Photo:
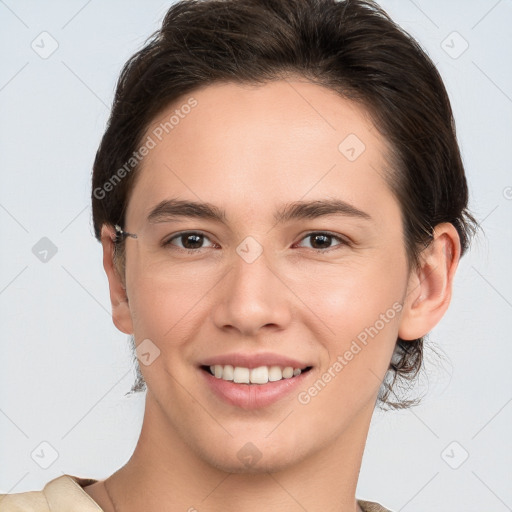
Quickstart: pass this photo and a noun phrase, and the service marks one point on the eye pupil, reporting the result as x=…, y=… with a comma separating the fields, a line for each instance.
x=191, y=241
x=196, y=243
x=325, y=238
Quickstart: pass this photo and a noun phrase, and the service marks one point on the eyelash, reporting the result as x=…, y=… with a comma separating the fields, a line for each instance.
x=343, y=241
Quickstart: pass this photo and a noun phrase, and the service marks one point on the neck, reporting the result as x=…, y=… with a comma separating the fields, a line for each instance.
x=164, y=475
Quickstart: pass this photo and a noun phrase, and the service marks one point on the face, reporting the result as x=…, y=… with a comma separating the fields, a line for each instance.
x=299, y=264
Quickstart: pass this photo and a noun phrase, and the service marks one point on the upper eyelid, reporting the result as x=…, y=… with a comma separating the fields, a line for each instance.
x=341, y=238
x=194, y=232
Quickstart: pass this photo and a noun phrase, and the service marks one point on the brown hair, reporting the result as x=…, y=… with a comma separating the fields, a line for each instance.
x=352, y=47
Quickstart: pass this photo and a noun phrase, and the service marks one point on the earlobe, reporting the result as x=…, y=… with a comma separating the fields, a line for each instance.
x=121, y=314
x=430, y=286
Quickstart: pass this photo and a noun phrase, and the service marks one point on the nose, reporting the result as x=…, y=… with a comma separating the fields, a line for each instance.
x=251, y=297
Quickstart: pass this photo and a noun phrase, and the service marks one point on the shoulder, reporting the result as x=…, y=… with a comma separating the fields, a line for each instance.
x=59, y=495
x=371, y=506
x=33, y=501
x=67, y=491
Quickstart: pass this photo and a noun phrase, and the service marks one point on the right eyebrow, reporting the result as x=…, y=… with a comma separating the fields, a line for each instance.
x=174, y=208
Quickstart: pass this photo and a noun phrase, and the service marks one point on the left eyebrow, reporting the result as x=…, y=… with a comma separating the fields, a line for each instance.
x=319, y=208
x=175, y=208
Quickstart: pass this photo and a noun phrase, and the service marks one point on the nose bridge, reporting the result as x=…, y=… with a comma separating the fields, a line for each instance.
x=253, y=295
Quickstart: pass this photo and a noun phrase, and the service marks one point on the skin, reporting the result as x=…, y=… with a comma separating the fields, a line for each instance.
x=248, y=150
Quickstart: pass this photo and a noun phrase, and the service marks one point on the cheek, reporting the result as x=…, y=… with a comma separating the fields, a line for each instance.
x=159, y=308
x=168, y=306
x=362, y=309
x=352, y=297
x=165, y=312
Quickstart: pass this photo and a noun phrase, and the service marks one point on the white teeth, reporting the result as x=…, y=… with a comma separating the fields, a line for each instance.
x=260, y=375
x=241, y=375
x=227, y=373
x=288, y=372
x=275, y=373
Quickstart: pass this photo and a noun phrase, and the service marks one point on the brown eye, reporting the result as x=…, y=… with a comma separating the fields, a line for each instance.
x=188, y=240
x=320, y=241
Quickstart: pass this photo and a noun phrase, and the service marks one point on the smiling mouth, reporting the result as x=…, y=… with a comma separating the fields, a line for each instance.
x=250, y=376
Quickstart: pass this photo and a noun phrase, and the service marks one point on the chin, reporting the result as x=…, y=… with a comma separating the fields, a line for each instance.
x=243, y=456
x=270, y=464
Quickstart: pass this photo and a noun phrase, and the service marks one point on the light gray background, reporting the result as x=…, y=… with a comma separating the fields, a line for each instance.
x=65, y=368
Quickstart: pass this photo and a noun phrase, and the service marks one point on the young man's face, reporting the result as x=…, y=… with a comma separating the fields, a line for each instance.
x=264, y=290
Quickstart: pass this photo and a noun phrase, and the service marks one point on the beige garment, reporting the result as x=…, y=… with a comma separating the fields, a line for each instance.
x=65, y=494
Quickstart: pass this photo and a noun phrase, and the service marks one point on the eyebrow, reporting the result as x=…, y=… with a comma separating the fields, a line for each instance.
x=170, y=209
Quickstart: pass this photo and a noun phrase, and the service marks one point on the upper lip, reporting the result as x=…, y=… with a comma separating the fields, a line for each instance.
x=254, y=360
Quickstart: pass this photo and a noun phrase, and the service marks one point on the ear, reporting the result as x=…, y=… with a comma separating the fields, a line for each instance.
x=121, y=314
x=429, y=288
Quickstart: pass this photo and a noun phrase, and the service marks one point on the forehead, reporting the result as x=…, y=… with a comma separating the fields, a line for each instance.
x=253, y=146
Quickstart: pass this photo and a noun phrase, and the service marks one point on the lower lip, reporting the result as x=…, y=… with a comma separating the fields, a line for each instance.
x=252, y=396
